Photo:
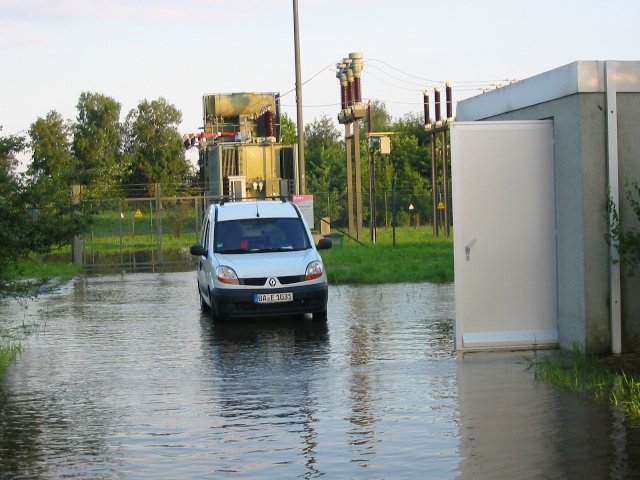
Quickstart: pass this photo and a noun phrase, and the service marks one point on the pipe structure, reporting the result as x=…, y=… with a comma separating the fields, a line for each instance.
x=615, y=295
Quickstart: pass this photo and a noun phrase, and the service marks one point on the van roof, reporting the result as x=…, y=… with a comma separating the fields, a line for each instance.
x=250, y=209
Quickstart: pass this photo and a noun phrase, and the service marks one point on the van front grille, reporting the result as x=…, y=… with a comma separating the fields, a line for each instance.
x=291, y=279
x=256, y=282
x=260, y=281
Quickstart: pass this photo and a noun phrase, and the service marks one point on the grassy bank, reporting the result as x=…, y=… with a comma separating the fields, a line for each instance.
x=40, y=270
x=381, y=263
x=600, y=377
x=29, y=277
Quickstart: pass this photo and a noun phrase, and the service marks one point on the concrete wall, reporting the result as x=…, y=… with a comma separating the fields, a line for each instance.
x=574, y=97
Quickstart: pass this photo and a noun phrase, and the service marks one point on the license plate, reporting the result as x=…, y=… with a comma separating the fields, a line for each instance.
x=273, y=297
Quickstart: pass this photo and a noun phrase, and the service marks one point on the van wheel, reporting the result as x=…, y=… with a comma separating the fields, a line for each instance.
x=203, y=305
x=320, y=316
x=215, y=317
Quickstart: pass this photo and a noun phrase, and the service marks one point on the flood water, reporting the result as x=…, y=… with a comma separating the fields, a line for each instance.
x=126, y=378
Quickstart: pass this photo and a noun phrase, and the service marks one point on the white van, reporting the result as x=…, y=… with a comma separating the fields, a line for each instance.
x=259, y=259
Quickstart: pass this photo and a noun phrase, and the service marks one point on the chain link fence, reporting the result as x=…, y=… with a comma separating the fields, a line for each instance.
x=395, y=213
x=152, y=227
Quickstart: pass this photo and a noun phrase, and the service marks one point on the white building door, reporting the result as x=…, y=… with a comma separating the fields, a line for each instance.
x=504, y=234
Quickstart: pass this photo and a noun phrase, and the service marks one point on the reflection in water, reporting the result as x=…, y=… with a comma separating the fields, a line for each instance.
x=398, y=376
x=510, y=425
x=126, y=378
x=264, y=387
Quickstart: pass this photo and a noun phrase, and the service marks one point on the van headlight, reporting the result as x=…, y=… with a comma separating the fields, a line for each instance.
x=227, y=275
x=314, y=270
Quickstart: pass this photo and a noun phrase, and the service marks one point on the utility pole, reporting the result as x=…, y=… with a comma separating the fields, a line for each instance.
x=296, y=41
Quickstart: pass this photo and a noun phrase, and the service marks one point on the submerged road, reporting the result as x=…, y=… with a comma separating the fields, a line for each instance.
x=124, y=377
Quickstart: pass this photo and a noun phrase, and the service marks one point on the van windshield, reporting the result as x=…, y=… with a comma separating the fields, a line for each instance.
x=260, y=235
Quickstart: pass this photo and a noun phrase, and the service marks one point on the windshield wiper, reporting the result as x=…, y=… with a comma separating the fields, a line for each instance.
x=288, y=248
x=228, y=251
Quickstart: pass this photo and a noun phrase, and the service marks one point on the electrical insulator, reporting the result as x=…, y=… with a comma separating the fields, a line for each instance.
x=447, y=91
x=260, y=125
x=437, y=103
x=343, y=95
x=270, y=124
x=425, y=100
x=351, y=98
x=357, y=90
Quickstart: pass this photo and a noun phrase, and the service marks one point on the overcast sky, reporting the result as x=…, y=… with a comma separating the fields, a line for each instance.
x=130, y=50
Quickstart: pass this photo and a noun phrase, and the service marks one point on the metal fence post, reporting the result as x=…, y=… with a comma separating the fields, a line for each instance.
x=158, y=222
x=77, y=245
x=120, y=217
x=394, y=209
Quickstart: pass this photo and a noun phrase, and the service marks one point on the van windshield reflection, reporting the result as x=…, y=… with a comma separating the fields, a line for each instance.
x=258, y=235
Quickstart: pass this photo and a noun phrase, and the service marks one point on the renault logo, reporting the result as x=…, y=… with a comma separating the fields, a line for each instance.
x=272, y=282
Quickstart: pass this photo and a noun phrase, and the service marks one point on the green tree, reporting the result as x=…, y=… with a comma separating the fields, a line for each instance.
x=51, y=149
x=418, y=150
x=325, y=168
x=411, y=152
x=97, y=141
x=10, y=146
x=35, y=216
x=288, y=130
x=381, y=119
x=153, y=144
x=324, y=155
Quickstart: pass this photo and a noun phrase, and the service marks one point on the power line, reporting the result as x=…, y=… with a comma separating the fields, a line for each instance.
x=436, y=82
x=313, y=106
x=310, y=78
x=369, y=74
x=425, y=83
x=422, y=85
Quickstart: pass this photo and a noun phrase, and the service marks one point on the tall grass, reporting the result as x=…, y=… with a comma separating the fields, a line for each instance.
x=579, y=372
x=8, y=353
x=24, y=280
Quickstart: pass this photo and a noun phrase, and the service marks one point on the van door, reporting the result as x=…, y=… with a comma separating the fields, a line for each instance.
x=203, y=263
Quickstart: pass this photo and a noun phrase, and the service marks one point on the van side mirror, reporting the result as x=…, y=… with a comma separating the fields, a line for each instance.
x=198, y=250
x=324, y=244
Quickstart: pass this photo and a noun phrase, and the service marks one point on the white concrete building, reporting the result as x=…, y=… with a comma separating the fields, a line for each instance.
x=595, y=109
